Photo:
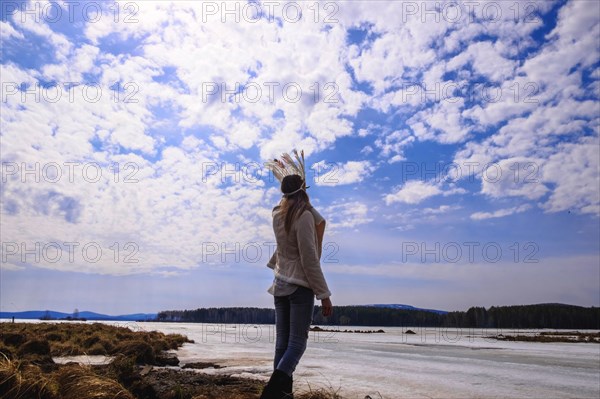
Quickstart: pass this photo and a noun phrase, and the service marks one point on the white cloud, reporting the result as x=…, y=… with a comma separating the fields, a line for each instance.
x=168, y=215
x=500, y=212
x=486, y=60
x=513, y=177
x=172, y=209
x=442, y=122
x=392, y=144
x=409, y=219
x=335, y=174
x=7, y=31
x=82, y=60
x=575, y=170
x=262, y=53
x=366, y=150
x=416, y=191
x=346, y=215
x=546, y=116
x=440, y=210
x=35, y=23
x=413, y=192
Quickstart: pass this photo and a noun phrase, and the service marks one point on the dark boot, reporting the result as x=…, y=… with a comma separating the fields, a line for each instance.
x=277, y=387
x=288, y=389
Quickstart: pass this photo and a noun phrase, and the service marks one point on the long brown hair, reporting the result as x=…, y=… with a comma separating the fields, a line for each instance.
x=293, y=205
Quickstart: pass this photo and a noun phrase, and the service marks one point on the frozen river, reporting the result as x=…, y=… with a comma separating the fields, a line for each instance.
x=433, y=363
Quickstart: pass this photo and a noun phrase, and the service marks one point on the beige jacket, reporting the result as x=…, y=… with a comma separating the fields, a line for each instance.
x=296, y=259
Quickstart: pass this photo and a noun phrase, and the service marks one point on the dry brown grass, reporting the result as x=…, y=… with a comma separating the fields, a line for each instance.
x=77, y=382
x=27, y=370
x=72, y=339
x=318, y=394
x=324, y=392
x=20, y=380
x=553, y=336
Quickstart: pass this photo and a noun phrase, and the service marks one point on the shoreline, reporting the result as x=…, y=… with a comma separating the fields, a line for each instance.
x=135, y=365
x=335, y=363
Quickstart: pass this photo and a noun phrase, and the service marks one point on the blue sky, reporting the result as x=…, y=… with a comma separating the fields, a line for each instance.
x=453, y=150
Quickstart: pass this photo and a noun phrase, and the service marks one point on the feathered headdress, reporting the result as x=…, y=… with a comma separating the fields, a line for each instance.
x=288, y=166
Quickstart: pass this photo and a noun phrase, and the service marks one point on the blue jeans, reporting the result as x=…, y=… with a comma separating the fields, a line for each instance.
x=293, y=315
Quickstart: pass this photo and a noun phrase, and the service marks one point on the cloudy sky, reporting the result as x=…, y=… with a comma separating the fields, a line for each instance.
x=453, y=150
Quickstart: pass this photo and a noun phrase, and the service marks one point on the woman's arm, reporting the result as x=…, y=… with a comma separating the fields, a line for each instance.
x=307, y=245
x=273, y=261
x=320, y=227
x=320, y=233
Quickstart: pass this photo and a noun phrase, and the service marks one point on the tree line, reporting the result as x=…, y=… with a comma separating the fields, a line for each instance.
x=558, y=316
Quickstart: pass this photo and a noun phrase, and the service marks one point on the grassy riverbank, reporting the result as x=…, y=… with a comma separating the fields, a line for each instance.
x=553, y=336
x=135, y=370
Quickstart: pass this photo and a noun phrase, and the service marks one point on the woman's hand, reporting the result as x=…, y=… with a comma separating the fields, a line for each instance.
x=327, y=307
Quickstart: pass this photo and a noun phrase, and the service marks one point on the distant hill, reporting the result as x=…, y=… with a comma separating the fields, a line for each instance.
x=406, y=307
x=38, y=314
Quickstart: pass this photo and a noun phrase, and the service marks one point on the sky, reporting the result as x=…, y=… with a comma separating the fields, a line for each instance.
x=452, y=147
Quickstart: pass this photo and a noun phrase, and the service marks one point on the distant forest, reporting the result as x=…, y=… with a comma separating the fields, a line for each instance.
x=559, y=316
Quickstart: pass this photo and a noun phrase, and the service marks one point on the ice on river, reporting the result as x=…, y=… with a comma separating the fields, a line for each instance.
x=433, y=363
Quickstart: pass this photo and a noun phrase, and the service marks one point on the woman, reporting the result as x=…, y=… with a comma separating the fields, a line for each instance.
x=298, y=279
